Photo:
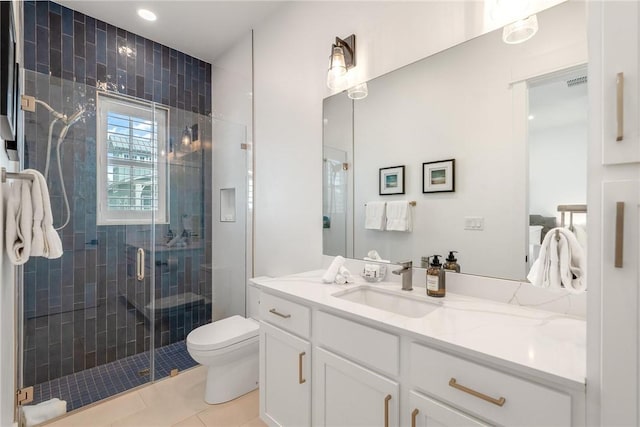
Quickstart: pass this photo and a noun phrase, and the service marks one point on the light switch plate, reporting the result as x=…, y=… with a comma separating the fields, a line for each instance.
x=474, y=223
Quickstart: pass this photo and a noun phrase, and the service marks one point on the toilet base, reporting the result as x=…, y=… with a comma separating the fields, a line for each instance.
x=232, y=376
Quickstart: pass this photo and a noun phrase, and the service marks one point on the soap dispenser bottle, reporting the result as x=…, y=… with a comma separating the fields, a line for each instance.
x=452, y=262
x=435, y=278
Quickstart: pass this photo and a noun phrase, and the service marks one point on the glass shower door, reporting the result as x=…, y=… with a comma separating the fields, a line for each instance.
x=86, y=321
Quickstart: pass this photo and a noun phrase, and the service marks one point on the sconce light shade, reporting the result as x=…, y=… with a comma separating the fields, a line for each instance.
x=186, y=136
x=337, y=67
x=520, y=31
x=358, y=91
x=341, y=60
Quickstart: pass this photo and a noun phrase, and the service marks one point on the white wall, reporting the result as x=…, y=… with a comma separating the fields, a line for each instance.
x=231, y=86
x=8, y=309
x=290, y=61
x=558, y=155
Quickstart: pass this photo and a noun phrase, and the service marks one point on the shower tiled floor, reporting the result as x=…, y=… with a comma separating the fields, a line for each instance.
x=176, y=402
x=92, y=385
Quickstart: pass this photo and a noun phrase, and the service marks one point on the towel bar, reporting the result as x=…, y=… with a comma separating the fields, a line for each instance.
x=412, y=203
x=12, y=175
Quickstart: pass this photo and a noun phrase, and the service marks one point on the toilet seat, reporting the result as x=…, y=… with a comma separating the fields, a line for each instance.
x=222, y=333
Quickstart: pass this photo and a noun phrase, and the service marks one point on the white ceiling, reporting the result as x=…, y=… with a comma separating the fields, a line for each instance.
x=204, y=28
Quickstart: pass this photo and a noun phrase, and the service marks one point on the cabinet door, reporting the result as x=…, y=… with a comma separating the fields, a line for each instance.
x=346, y=394
x=426, y=412
x=619, y=301
x=614, y=52
x=285, y=377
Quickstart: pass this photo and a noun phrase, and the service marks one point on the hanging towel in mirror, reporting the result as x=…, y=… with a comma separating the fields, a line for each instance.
x=399, y=216
x=374, y=215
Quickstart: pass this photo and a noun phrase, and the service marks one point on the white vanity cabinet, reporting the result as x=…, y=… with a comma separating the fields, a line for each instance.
x=347, y=394
x=500, y=398
x=285, y=363
x=359, y=386
x=366, y=374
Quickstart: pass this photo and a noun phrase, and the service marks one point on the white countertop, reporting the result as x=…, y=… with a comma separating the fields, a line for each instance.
x=540, y=343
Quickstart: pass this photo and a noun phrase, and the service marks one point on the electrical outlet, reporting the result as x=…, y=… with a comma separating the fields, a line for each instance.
x=475, y=223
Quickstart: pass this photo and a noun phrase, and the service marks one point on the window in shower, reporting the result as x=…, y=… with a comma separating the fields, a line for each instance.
x=131, y=161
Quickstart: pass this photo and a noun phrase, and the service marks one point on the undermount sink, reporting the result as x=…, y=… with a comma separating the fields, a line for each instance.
x=403, y=303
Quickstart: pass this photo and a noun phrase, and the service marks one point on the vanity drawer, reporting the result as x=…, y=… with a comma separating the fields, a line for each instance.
x=285, y=314
x=456, y=381
x=377, y=349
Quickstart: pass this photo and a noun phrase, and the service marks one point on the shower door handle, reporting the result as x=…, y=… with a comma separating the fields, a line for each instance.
x=140, y=265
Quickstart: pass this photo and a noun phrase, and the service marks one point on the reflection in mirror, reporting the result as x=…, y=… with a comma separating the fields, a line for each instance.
x=336, y=177
x=557, y=141
x=468, y=103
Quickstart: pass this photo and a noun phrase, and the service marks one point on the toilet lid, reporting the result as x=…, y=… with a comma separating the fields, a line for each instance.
x=222, y=333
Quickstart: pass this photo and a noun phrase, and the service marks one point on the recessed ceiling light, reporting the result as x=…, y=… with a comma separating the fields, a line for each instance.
x=531, y=117
x=147, y=14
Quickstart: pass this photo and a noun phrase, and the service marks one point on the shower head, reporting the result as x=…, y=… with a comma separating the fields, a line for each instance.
x=74, y=117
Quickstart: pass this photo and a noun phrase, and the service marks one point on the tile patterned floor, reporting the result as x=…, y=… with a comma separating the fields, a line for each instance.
x=92, y=385
x=172, y=402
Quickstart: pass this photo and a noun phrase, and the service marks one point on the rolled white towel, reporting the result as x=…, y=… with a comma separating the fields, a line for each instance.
x=330, y=275
x=38, y=414
x=344, y=276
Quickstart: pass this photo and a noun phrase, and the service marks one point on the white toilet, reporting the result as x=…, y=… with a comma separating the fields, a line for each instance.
x=229, y=349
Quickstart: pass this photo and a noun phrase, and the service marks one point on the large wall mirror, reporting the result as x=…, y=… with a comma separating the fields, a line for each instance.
x=514, y=118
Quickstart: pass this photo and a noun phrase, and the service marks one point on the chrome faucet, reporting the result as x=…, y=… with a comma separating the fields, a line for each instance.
x=407, y=275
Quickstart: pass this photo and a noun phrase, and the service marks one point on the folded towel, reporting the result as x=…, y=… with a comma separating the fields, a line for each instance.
x=331, y=273
x=19, y=221
x=38, y=414
x=399, y=216
x=374, y=215
x=560, y=264
x=45, y=241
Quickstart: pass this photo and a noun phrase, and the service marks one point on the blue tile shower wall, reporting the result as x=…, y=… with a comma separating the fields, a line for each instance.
x=86, y=309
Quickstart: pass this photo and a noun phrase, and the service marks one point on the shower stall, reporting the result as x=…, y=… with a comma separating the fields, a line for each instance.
x=132, y=196
x=150, y=189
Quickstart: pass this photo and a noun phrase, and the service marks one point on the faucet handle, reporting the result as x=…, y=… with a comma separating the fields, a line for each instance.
x=405, y=264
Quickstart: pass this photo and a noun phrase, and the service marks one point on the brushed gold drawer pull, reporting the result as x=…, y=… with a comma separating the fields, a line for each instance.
x=386, y=410
x=300, y=379
x=454, y=384
x=620, y=106
x=284, y=316
x=619, y=244
x=414, y=414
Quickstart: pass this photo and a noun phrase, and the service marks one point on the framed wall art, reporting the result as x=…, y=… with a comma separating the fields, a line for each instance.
x=392, y=180
x=439, y=177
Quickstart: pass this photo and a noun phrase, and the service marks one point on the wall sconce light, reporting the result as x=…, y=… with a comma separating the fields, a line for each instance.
x=342, y=59
x=520, y=31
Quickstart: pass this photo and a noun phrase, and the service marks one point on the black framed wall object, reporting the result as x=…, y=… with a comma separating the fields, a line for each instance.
x=8, y=96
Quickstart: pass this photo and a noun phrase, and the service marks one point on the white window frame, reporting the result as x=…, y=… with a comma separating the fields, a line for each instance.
x=105, y=104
